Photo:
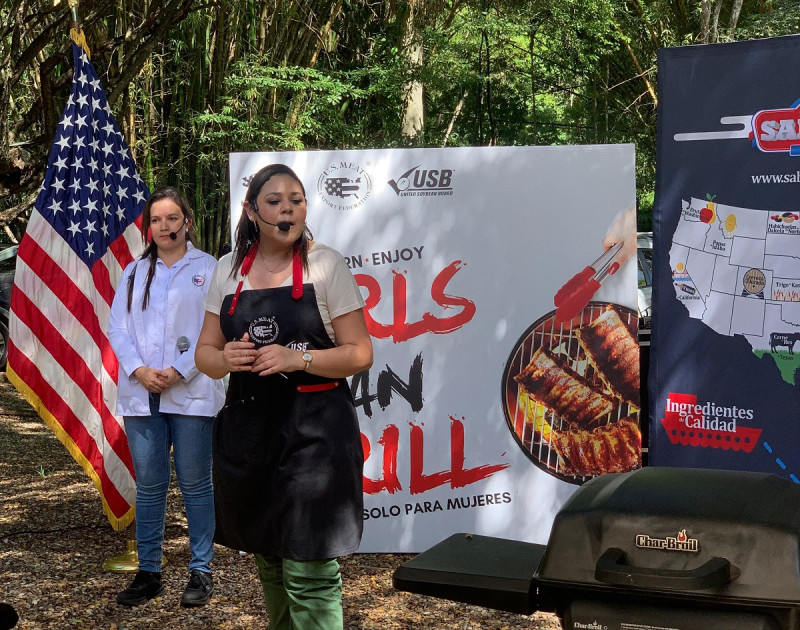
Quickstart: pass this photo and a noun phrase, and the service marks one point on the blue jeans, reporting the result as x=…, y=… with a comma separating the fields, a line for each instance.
x=149, y=439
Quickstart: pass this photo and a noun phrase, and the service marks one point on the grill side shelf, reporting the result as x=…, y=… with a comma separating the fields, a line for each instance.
x=480, y=570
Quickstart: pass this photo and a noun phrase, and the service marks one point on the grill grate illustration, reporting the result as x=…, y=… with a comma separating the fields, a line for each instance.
x=529, y=420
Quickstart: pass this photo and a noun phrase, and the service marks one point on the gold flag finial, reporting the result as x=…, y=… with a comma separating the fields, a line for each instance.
x=79, y=38
x=76, y=32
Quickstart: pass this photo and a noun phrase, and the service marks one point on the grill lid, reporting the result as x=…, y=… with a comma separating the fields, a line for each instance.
x=716, y=534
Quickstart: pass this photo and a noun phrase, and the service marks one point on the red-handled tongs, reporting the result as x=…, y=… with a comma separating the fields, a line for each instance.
x=576, y=293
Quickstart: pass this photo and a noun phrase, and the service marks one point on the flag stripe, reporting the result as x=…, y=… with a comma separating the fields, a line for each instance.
x=71, y=296
x=67, y=264
x=80, y=404
x=76, y=369
x=121, y=248
x=102, y=281
x=71, y=425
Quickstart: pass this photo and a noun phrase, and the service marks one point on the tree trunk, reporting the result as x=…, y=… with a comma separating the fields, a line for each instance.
x=413, y=104
x=453, y=118
x=651, y=90
x=715, y=22
x=735, y=12
x=311, y=63
x=705, y=20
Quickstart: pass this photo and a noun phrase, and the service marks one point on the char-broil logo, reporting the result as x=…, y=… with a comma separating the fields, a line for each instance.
x=423, y=182
x=588, y=626
x=708, y=425
x=681, y=542
x=344, y=186
x=263, y=330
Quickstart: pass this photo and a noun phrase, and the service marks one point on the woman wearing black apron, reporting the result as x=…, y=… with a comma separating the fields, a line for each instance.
x=284, y=317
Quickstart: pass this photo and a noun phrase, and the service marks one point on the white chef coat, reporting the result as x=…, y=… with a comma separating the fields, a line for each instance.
x=149, y=338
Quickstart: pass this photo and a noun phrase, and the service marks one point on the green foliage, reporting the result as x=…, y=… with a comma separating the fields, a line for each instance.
x=239, y=75
x=250, y=120
x=773, y=18
x=645, y=200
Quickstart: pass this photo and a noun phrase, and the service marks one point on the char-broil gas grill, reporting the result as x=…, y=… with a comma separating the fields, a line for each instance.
x=657, y=548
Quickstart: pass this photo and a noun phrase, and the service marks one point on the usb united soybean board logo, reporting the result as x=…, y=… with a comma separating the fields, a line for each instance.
x=770, y=130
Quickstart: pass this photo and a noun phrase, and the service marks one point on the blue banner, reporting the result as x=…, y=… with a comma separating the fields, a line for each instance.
x=724, y=383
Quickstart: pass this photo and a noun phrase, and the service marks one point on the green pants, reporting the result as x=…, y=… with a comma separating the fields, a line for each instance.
x=301, y=595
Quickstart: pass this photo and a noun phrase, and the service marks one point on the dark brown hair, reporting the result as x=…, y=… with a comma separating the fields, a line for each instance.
x=246, y=230
x=151, y=249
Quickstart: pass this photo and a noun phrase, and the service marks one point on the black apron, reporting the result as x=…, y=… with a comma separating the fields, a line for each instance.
x=287, y=465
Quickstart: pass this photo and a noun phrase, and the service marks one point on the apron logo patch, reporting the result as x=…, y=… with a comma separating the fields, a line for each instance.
x=264, y=330
x=198, y=280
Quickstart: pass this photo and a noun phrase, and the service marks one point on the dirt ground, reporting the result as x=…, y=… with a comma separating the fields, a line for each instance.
x=54, y=539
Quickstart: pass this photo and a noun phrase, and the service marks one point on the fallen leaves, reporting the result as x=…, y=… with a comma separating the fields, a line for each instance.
x=54, y=539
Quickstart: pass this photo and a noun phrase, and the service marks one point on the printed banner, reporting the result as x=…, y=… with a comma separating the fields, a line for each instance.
x=723, y=379
x=477, y=381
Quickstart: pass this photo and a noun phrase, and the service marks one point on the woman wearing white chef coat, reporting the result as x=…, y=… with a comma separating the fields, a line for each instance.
x=165, y=401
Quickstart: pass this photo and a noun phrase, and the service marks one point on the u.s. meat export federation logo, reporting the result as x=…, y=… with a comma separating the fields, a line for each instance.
x=344, y=185
x=263, y=331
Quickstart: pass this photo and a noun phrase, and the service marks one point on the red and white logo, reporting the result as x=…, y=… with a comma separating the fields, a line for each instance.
x=778, y=130
x=709, y=425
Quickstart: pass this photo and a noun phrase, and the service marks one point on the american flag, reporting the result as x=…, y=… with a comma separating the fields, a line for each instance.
x=81, y=235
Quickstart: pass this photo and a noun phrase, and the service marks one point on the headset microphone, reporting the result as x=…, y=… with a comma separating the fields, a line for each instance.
x=283, y=226
x=174, y=235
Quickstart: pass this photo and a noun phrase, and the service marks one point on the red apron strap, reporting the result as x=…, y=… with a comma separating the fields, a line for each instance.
x=297, y=274
x=247, y=263
x=321, y=387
